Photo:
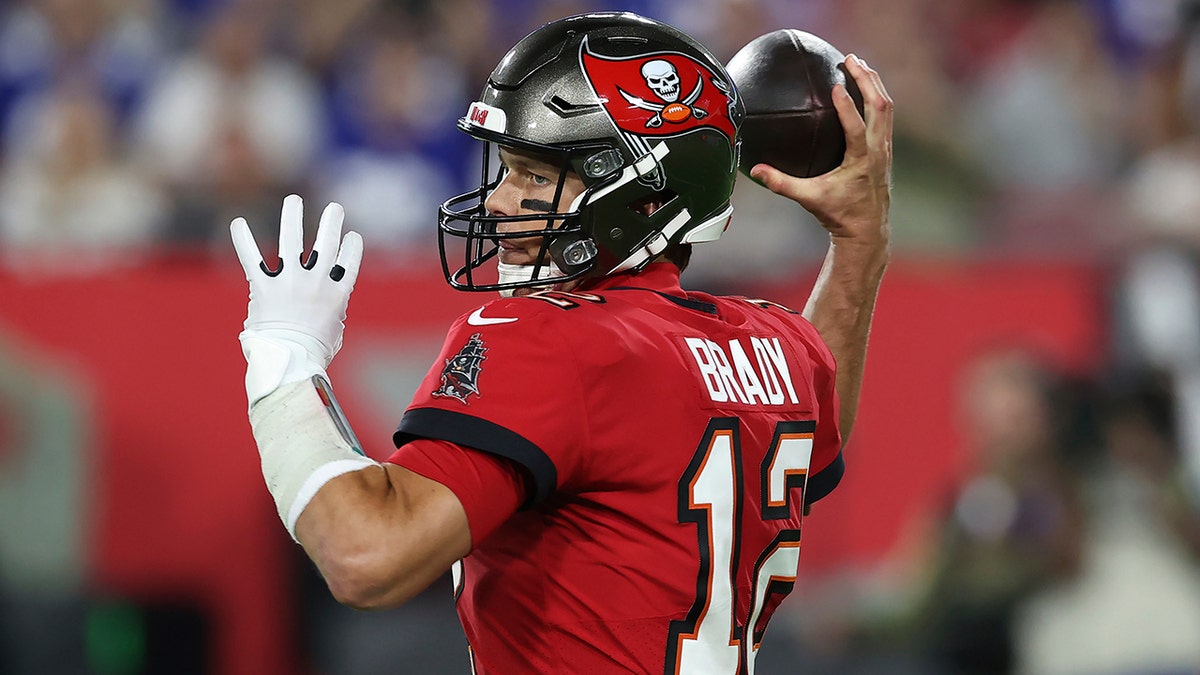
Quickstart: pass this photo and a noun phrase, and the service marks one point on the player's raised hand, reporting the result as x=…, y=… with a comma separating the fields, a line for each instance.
x=853, y=200
x=296, y=315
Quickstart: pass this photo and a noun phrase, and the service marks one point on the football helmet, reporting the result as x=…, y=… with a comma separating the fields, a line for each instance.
x=640, y=111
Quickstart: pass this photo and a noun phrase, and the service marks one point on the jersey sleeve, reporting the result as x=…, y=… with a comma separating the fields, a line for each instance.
x=489, y=488
x=505, y=384
x=827, y=465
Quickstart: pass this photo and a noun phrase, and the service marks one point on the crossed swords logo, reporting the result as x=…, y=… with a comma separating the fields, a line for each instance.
x=657, y=119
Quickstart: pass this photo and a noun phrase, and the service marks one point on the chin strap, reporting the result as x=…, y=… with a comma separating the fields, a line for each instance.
x=524, y=273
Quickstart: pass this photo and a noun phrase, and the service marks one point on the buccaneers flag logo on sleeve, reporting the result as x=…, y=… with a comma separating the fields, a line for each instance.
x=661, y=94
x=460, y=376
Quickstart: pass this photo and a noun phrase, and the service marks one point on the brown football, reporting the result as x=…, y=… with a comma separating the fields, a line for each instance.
x=786, y=80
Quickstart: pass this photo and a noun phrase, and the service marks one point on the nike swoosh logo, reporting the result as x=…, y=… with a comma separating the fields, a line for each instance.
x=478, y=319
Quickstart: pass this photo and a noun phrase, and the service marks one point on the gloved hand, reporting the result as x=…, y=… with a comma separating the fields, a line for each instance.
x=295, y=320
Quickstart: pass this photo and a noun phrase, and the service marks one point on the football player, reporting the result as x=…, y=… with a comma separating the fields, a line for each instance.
x=615, y=468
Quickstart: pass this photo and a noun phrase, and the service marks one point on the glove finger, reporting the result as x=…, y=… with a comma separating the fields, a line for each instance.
x=245, y=246
x=328, y=234
x=291, y=230
x=349, y=259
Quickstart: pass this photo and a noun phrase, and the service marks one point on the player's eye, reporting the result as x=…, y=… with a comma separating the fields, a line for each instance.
x=538, y=179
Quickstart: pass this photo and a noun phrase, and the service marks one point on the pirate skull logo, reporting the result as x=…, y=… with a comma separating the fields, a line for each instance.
x=663, y=78
x=664, y=93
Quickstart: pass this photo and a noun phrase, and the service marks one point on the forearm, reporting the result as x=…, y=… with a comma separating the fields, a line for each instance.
x=381, y=535
x=378, y=533
x=841, y=307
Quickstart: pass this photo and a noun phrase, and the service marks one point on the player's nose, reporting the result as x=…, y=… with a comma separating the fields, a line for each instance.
x=502, y=200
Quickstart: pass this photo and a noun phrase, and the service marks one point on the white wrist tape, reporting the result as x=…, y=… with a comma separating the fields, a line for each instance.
x=304, y=442
x=275, y=357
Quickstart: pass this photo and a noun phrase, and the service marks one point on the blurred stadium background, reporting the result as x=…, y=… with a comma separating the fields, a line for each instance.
x=1022, y=486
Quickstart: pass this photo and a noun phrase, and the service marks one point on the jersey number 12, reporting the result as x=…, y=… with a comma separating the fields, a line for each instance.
x=710, y=639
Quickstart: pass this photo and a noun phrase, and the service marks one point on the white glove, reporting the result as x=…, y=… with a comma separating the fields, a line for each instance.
x=295, y=320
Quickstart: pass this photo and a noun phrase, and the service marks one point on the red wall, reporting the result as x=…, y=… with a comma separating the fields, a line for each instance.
x=180, y=510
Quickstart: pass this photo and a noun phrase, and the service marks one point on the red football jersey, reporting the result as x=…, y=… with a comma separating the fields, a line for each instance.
x=668, y=442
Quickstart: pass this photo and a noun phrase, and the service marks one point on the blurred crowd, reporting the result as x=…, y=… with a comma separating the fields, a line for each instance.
x=1026, y=127
x=1070, y=545
x=1043, y=129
